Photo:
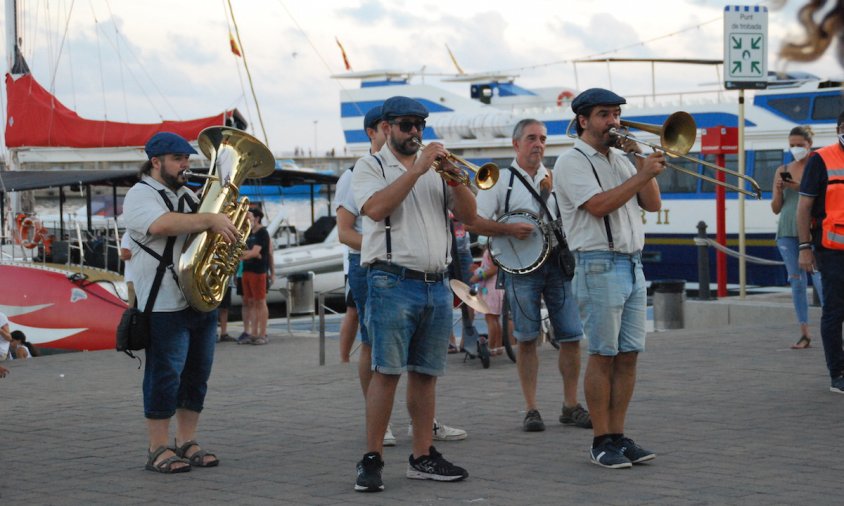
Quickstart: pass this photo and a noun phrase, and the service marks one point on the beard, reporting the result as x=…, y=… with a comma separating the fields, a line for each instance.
x=406, y=148
x=611, y=140
x=173, y=182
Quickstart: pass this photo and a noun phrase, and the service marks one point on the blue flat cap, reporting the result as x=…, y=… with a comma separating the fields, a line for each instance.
x=168, y=143
x=372, y=117
x=593, y=97
x=402, y=106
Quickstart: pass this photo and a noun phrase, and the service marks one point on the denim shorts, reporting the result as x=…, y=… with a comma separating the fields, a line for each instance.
x=612, y=296
x=409, y=323
x=524, y=294
x=178, y=361
x=357, y=287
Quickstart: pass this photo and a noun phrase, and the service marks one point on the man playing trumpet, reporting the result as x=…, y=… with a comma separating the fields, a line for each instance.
x=406, y=247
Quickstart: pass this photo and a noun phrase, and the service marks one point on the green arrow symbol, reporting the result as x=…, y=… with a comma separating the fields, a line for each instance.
x=754, y=67
x=736, y=43
x=756, y=43
x=736, y=67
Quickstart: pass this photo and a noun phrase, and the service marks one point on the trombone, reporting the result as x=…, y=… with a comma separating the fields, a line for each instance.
x=485, y=176
x=676, y=138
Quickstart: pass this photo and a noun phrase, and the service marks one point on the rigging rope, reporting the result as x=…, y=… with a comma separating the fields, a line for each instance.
x=248, y=74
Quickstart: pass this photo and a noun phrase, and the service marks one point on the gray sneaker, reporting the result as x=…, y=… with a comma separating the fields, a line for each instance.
x=533, y=422
x=576, y=415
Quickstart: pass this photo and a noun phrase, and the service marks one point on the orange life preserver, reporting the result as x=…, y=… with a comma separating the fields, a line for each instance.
x=38, y=232
x=564, y=97
x=18, y=226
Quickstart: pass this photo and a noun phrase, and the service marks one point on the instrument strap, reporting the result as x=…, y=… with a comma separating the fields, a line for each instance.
x=561, y=236
x=606, y=217
x=163, y=262
x=387, y=219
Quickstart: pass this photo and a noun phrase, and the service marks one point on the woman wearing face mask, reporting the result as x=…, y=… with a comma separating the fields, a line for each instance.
x=784, y=203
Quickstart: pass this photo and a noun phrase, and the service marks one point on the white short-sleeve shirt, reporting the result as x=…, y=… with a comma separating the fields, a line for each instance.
x=576, y=183
x=420, y=236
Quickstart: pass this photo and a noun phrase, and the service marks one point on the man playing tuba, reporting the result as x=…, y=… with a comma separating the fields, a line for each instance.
x=159, y=213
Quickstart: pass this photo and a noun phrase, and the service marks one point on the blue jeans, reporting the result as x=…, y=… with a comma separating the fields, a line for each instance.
x=357, y=285
x=832, y=316
x=179, y=358
x=524, y=293
x=613, y=298
x=409, y=323
x=797, y=278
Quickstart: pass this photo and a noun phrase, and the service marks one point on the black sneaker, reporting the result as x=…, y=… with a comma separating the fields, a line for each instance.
x=837, y=385
x=608, y=454
x=369, y=473
x=533, y=422
x=434, y=467
x=635, y=453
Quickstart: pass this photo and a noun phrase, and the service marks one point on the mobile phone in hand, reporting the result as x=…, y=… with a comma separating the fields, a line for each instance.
x=786, y=176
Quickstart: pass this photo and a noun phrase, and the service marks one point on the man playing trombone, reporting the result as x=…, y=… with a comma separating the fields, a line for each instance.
x=406, y=246
x=601, y=193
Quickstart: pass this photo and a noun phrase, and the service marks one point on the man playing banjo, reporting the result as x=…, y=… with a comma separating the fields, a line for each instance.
x=520, y=216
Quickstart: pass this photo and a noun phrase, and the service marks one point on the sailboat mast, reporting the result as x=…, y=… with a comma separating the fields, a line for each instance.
x=11, y=33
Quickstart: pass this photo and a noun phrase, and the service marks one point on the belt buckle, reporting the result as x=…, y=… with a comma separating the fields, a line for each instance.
x=432, y=279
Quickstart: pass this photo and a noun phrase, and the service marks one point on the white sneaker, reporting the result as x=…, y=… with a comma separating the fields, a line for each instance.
x=389, y=438
x=443, y=432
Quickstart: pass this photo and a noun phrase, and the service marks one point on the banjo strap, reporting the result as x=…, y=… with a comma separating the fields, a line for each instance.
x=561, y=237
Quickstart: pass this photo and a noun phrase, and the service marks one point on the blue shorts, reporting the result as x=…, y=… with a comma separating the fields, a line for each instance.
x=408, y=322
x=524, y=294
x=357, y=289
x=611, y=292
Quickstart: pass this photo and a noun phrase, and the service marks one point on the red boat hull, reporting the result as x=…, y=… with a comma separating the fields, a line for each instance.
x=61, y=307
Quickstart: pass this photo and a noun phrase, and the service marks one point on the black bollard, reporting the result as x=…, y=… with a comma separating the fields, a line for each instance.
x=702, y=264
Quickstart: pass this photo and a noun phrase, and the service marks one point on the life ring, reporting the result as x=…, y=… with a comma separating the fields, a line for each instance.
x=28, y=225
x=564, y=97
x=18, y=225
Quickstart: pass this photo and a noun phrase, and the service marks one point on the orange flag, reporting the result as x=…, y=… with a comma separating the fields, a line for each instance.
x=234, y=46
x=343, y=52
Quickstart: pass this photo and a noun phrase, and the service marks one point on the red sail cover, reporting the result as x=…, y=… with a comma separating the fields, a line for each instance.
x=37, y=118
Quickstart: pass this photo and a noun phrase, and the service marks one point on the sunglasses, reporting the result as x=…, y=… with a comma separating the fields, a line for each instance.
x=407, y=125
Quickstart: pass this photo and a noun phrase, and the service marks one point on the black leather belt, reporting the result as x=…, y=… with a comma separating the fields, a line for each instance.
x=428, y=277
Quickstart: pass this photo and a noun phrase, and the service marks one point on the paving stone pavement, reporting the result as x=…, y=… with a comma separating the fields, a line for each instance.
x=734, y=416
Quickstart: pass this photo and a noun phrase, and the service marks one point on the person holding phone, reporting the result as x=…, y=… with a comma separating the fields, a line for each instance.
x=784, y=203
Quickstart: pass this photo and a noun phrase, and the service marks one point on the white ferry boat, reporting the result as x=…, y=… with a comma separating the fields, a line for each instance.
x=478, y=127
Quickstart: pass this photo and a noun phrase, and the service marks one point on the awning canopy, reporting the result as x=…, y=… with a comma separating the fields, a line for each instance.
x=20, y=180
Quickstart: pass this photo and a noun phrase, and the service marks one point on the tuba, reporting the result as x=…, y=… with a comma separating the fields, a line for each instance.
x=207, y=261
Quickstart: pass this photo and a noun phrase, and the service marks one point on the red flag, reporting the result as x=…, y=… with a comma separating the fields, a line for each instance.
x=234, y=46
x=343, y=52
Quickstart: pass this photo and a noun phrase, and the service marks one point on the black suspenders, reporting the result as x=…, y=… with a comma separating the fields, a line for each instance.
x=387, y=219
x=606, y=217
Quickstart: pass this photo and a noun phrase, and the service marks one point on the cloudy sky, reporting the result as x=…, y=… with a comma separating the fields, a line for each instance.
x=140, y=61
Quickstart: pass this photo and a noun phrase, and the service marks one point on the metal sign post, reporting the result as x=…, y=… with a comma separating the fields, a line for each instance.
x=745, y=67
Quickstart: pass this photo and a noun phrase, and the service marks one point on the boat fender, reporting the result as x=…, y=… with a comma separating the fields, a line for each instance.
x=564, y=97
x=38, y=232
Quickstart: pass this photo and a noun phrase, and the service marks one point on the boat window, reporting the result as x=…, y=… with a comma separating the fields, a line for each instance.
x=828, y=107
x=794, y=108
x=675, y=181
x=731, y=162
x=765, y=165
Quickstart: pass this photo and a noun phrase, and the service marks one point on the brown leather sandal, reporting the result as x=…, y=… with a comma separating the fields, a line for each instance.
x=197, y=458
x=166, y=465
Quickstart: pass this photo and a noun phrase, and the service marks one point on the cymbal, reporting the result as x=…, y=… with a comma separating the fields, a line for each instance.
x=469, y=296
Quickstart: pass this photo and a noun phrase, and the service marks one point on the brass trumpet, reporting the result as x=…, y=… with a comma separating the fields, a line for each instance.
x=485, y=176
